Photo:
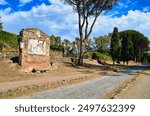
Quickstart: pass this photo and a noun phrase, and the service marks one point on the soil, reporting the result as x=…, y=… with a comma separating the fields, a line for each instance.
x=10, y=72
x=14, y=82
x=139, y=89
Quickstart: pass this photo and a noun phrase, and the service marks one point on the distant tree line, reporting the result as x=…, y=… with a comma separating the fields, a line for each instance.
x=122, y=46
x=128, y=45
x=56, y=43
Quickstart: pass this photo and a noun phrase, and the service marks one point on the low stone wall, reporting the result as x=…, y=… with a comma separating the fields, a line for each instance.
x=58, y=58
x=56, y=54
x=9, y=55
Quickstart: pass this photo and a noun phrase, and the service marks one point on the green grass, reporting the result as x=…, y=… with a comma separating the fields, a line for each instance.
x=10, y=40
x=99, y=55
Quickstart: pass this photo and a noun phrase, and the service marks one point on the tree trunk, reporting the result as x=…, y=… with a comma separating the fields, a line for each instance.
x=113, y=62
x=86, y=35
x=123, y=62
x=127, y=62
x=80, y=61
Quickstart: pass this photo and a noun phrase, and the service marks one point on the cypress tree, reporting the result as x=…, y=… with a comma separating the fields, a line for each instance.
x=1, y=24
x=115, y=45
x=127, y=48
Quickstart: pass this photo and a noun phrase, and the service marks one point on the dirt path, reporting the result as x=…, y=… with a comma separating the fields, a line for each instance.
x=14, y=83
x=139, y=89
x=92, y=89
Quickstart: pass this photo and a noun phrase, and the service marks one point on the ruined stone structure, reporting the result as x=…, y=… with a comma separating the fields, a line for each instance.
x=34, y=47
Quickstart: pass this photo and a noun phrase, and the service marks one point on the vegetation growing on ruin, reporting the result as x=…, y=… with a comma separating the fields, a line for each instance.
x=9, y=41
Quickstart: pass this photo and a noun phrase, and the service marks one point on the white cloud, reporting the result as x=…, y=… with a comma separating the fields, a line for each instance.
x=146, y=9
x=7, y=10
x=25, y=1
x=3, y=2
x=136, y=20
x=122, y=5
x=59, y=19
x=52, y=19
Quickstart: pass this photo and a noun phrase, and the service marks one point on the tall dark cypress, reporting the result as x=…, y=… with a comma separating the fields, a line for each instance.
x=1, y=24
x=115, y=45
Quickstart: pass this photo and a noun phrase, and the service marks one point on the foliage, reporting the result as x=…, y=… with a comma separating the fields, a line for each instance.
x=96, y=54
x=127, y=47
x=1, y=47
x=77, y=42
x=67, y=46
x=103, y=43
x=56, y=47
x=55, y=40
x=88, y=44
x=9, y=38
x=138, y=44
x=72, y=50
x=66, y=42
x=9, y=41
x=56, y=43
x=115, y=45
x=1, y=24
x=146, y=57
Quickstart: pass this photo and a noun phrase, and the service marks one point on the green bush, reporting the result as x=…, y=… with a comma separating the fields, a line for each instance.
x=9, y=38
x=146, y=57
x=95, y=55
x=88, y=55
x=56, y=47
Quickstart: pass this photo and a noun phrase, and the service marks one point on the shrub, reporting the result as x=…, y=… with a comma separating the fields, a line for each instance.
x=9, y=38
x=56, y=47
x=97, y=55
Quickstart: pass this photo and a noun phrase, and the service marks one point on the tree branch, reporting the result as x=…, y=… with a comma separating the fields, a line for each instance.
x=86, y=27
x=94, y=7
x=83, y=22
x=70, y=2
x=90, y=31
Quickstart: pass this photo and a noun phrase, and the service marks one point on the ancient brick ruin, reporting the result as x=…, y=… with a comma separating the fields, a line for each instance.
x=34, y=47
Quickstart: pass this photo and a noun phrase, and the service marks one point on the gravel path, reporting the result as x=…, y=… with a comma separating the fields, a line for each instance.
x=91, y=89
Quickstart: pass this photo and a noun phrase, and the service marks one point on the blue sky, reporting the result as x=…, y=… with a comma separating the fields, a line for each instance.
x=53, y=17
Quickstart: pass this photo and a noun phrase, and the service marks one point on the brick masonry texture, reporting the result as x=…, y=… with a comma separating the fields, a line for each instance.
x=34, y=49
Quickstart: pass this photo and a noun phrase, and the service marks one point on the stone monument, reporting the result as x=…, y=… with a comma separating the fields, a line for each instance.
x=34, y=49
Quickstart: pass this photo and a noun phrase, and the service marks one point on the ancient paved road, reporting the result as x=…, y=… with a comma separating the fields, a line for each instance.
x=91, y=89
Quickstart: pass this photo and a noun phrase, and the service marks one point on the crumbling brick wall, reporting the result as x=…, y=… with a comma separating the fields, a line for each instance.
x=34, y=49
